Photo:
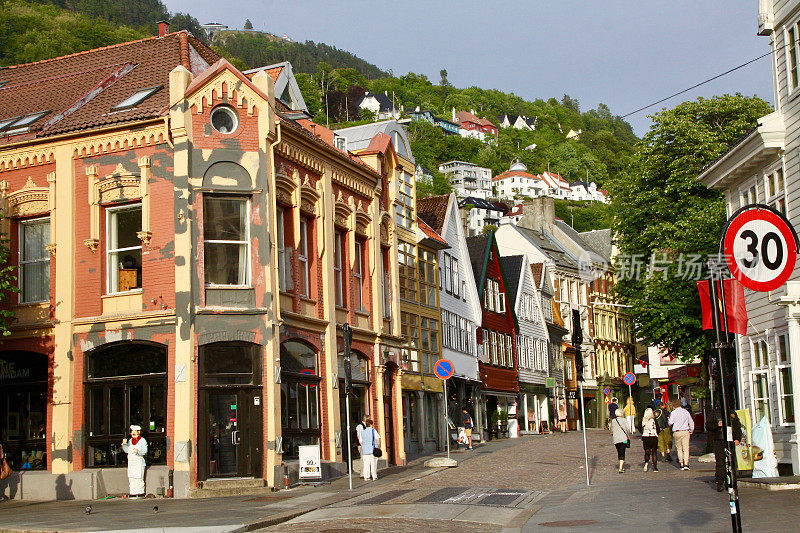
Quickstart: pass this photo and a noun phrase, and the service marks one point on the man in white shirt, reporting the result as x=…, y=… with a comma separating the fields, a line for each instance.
x=358, y=463
x=682, y=427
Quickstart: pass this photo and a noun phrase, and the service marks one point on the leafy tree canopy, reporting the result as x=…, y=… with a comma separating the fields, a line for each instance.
x=661, y=208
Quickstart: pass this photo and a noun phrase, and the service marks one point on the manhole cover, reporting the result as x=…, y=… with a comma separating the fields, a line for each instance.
x=569, y=523
x=501, y=498
x=385, y=497
x=441, y=495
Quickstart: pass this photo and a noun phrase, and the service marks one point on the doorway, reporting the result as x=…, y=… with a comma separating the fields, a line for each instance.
x=388, y=415
x=230, y=412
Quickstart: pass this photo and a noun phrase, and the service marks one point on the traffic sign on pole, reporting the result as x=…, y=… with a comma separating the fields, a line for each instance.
x=629, y=379
x=443, y=369
x=760, y=247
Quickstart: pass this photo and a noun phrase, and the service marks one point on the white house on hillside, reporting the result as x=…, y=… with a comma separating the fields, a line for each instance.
x=477, y=213
x=381, y=104
x=468, y=179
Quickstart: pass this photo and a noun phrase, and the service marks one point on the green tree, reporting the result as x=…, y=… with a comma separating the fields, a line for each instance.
x=8, y=285
x=489, y=228
x=444, y=85
x=248, y=25
x=661, y=208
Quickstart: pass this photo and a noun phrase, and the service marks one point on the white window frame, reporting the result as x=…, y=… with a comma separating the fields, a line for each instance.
x=792, y=50
x=774, y=197
x=783, y=364
x=285, y=282
x=358, y=274
x=754, y=374
x=22, y=262
x=302, y=256
x=338, y=260
x=109, y=212
x=745, y=190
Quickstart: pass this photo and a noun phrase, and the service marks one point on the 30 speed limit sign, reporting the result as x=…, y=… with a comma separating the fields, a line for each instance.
x=760, y=246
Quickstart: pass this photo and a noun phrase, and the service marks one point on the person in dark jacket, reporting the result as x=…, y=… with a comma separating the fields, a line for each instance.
x=714, y=433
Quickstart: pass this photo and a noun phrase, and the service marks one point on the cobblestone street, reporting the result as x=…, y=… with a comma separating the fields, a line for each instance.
x=533, y=483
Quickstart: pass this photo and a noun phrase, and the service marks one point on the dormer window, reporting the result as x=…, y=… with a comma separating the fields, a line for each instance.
x=7, y=122
x=340, y=143
x=22, y=124
x=136, y=98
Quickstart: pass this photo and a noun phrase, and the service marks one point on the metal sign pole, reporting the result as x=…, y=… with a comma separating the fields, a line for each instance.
x=446, y=425
x=732, y=486
x=631, y=418
x=583, y=423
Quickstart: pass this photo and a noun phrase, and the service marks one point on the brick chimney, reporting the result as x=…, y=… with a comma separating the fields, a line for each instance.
x=163, y=27
x=538, y=214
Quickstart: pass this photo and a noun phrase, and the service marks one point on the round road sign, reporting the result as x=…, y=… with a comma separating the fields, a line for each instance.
x=308, y=372
x=443, y=369
x=760, y=247
x=607, y=391
x=629, y=379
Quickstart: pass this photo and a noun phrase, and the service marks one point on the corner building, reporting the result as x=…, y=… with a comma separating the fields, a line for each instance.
x=188, y=247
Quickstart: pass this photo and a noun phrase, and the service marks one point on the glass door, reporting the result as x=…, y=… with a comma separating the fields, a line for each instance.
x=224, y=437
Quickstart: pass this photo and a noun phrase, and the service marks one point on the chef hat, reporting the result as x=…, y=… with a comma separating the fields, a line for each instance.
x=136, y=428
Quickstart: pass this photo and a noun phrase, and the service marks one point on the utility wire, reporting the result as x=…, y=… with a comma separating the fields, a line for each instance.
x=698, y=85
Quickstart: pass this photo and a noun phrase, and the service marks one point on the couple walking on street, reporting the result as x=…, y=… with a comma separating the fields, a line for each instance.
x=369, y=444
x=655, y=435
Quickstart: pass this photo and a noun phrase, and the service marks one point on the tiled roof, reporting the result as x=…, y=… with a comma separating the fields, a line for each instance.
x=79, y=90
x=512, y=270
x=549, y=247
x=433, y=211
x=430, y=233
x=514, y=173
x=466, y=116
x=537, y=269
x=600, y=240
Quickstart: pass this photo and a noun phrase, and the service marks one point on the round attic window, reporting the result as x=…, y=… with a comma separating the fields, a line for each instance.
x=224, y=119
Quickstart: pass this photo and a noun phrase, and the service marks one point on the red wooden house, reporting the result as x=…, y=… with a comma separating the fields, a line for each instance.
x=497, y=336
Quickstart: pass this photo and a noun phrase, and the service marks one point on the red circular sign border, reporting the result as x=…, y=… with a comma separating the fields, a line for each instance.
x=629, y=374
x=452, y=368
x=769, y=217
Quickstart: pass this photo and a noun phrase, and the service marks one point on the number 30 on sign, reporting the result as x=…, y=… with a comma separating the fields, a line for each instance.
x=760, y=246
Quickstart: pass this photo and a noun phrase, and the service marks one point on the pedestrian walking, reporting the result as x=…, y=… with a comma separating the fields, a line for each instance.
x=467, y=421
x=137, y=451
x=621, y=435
x=717, y=439
x=358, y=463
x=661, y=414
x=650, y=431
x=370, y=441
x=612, y=410
x=682, y=428
x=562, y=417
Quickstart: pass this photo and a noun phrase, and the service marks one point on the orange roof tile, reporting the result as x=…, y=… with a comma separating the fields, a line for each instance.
x=429, y=232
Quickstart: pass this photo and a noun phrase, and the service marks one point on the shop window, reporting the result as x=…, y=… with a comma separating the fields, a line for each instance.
x=126, y=383
x=229, y=363
x=431, y=417
x=124, y=249
x=300, y=417
x=226, y=234
x=34, y=260
x=23, y=409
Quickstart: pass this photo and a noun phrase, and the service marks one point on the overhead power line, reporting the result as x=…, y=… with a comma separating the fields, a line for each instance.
x=698, y=84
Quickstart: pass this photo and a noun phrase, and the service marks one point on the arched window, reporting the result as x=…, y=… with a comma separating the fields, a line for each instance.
x=299, y=396
x=126, y=383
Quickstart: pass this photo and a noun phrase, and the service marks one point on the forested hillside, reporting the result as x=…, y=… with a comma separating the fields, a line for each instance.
x=332, y=80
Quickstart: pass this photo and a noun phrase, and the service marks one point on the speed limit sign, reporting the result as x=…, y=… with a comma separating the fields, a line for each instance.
x=760, y=247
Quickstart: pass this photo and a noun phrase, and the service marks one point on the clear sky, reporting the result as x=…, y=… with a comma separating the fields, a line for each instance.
x=624, y=53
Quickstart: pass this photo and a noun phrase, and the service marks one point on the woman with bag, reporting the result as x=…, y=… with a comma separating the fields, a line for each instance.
x=371, y=450
x=621, y=435
x=5, y=470
x=650, y=431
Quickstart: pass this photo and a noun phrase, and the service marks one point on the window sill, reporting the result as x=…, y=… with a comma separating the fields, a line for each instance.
x=124, y=293
x=228, y=287
x=340, y=308
x=31, y=305
x=362, y=312
x=307, y=300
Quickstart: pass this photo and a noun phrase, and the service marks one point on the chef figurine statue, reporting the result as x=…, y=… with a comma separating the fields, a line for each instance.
x=136, y=450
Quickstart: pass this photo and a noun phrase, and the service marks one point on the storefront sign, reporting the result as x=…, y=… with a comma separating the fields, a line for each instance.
x=572, y=395
x=310, y=465
x=22, y=369
x=550, y=383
